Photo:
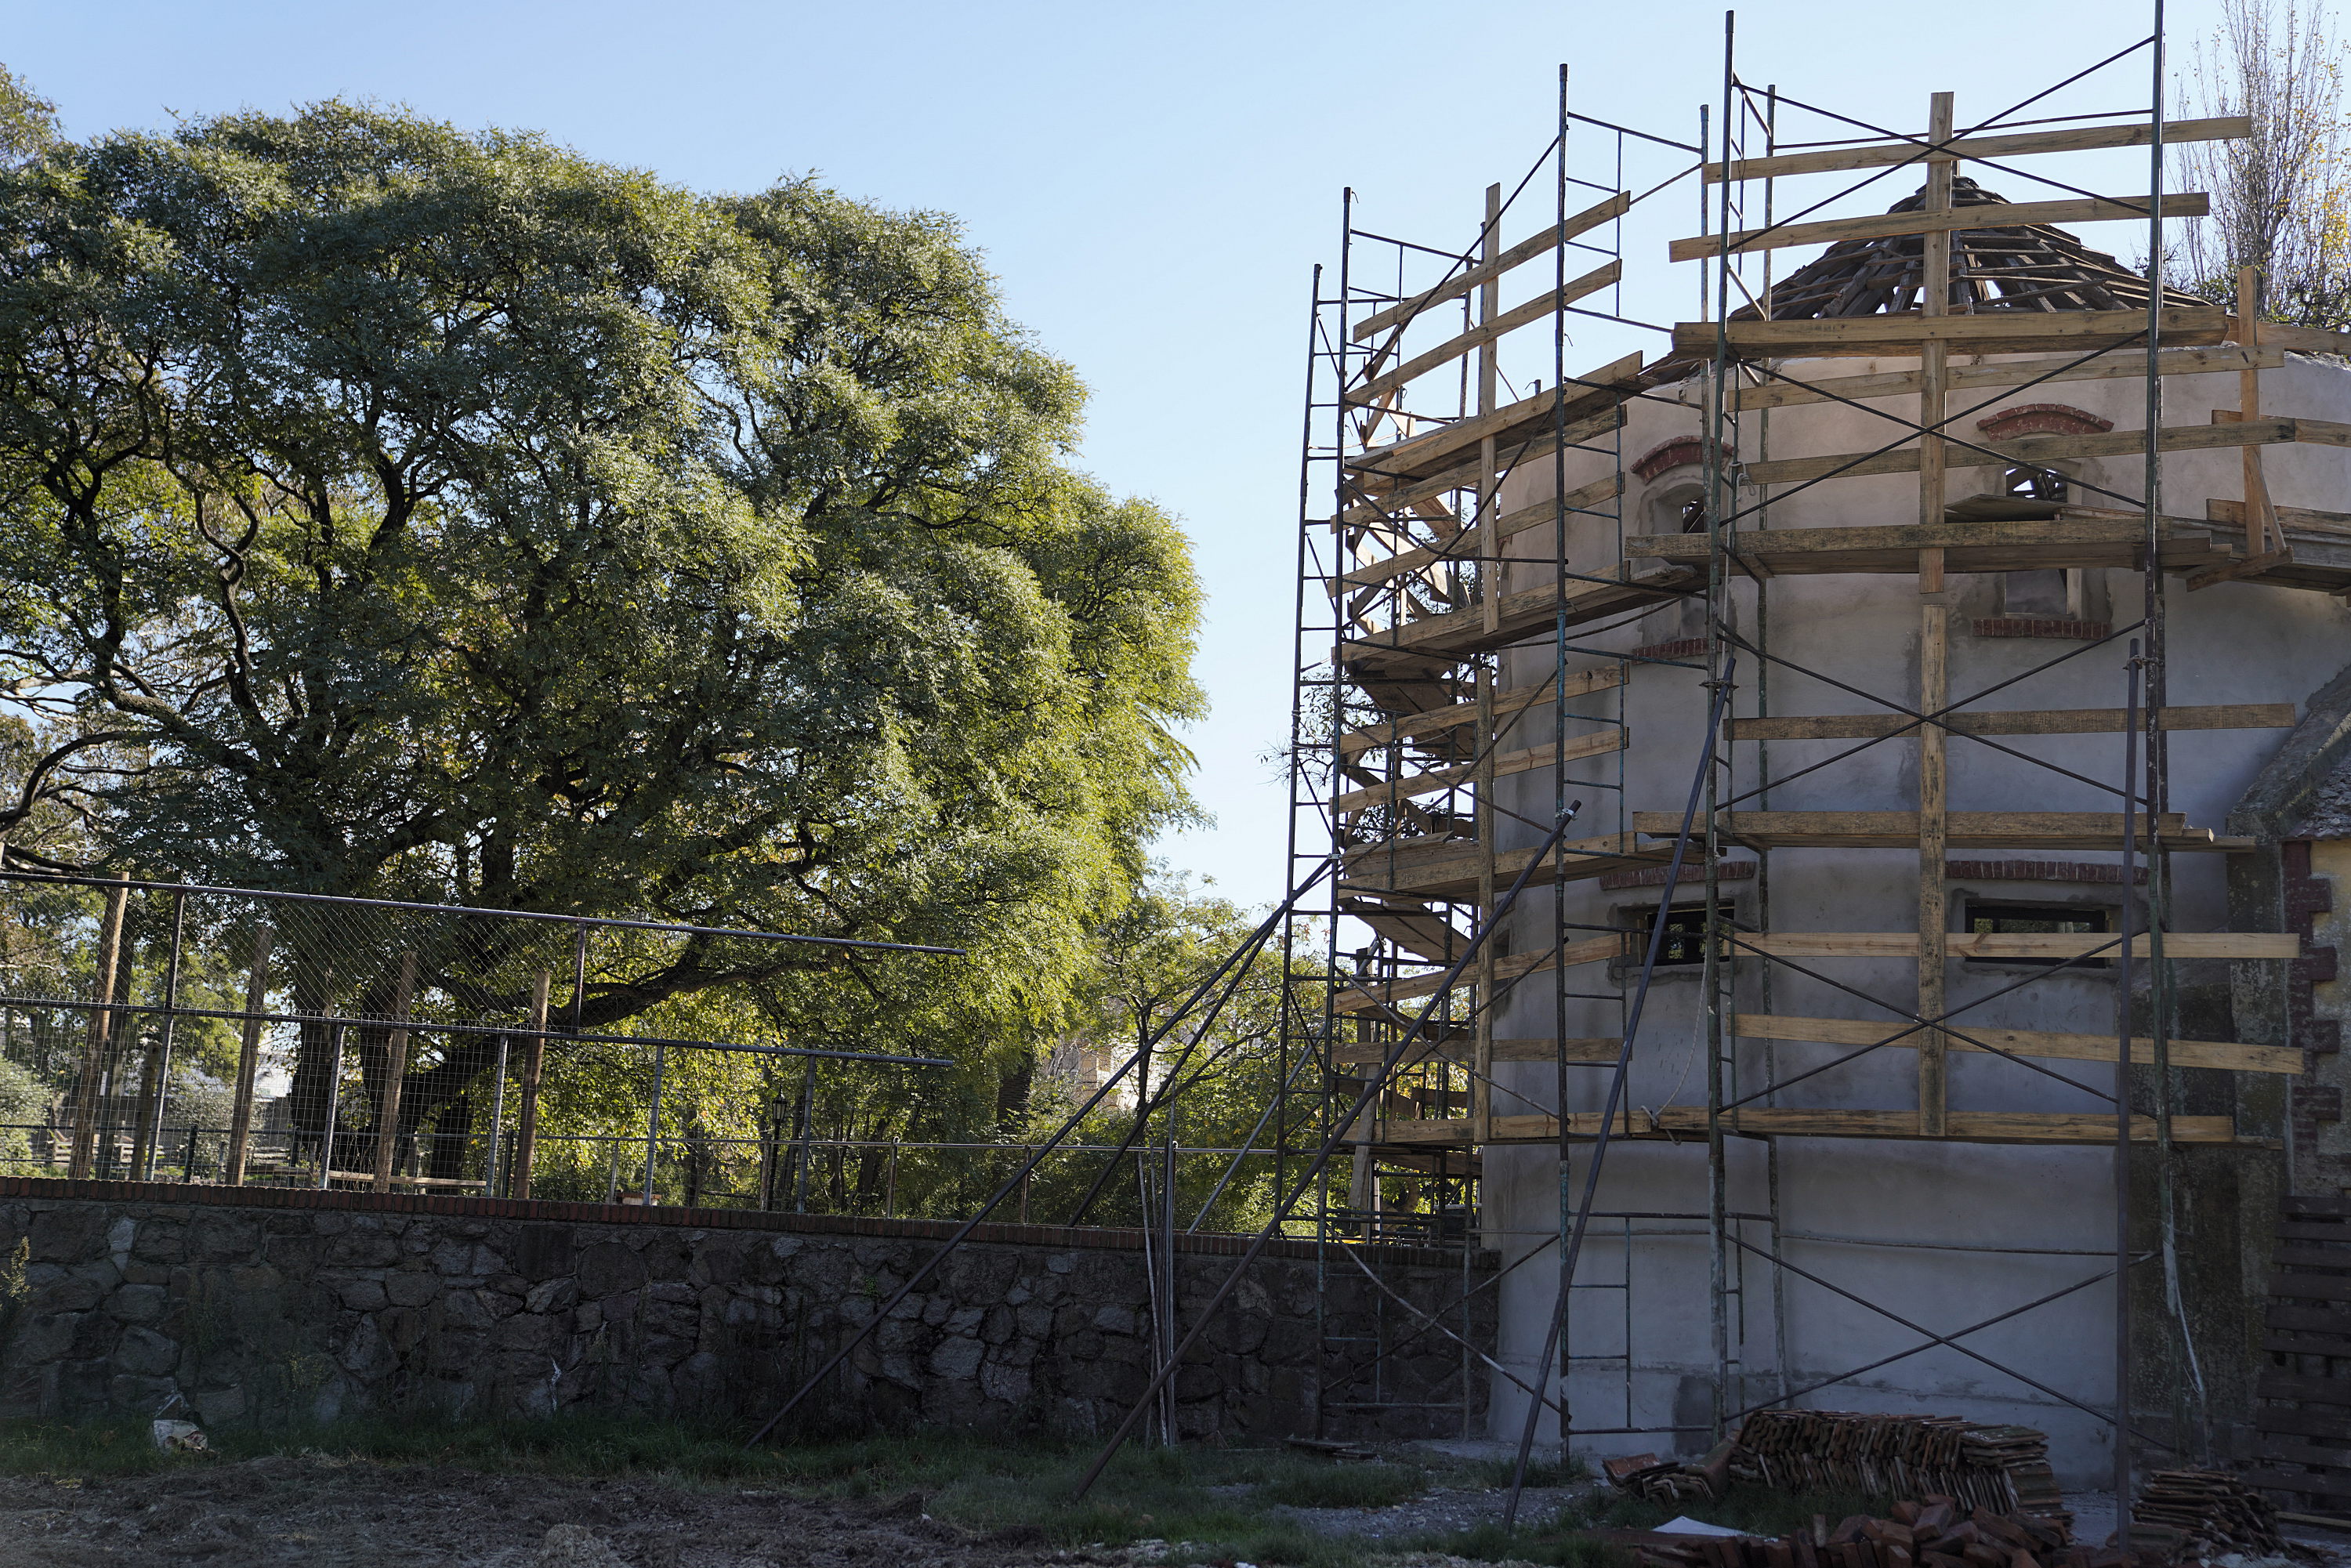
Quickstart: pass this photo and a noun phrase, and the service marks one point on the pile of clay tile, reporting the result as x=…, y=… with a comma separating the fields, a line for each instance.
x=1939, y=1532
x=2002, y=1469
x=2212, y=1511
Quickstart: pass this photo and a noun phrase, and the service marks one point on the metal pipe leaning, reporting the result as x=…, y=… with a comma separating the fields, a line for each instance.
x=1266, y=928
x=1363, y=1099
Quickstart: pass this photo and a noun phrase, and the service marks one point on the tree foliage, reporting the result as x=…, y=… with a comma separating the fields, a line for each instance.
x=399, y=511
x=2280, y=198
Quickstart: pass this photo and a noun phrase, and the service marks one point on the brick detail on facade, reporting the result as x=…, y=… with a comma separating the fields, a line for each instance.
x=2042, y=419
x=2042, y=626
x=1680, y=648
x=2308, y=896
x=1655, y=876
x=1678, y=453
x=2042, y=871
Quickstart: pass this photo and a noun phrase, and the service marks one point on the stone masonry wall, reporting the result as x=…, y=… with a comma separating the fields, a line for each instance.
x=261, y=1305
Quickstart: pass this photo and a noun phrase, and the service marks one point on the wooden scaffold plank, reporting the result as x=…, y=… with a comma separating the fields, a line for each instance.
x=2026, y=451
x=1983, y=216
x=2029, y=721
x=1886, y=154
x=1680, y=1123
x=1967, y=829
x=2225, y=1055
x=1992, y=333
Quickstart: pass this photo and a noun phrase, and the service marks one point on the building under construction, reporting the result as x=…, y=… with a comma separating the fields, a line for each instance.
x=1773, y=769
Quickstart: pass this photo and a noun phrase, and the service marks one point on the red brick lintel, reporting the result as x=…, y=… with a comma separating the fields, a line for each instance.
x=2041, y=871
x=2042, y=626
x=456, y=1205
x=1655, y=876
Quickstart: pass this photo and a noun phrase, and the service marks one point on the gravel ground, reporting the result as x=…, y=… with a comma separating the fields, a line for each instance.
x=325, y=1513
x=1437, y=1509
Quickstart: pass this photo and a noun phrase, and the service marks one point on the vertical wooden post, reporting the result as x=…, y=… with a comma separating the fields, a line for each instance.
x=497, y=1124
x=1934, y=646
x=150, y=1094
x=101, y=1031
x=1489, y=504
x=533, y=1055
x=2263, y=534
x=249, y=1057
x=396, y=1074
x=1481, y=1050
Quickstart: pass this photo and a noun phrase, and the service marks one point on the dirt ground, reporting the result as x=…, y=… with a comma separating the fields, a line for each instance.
x=327, y=1513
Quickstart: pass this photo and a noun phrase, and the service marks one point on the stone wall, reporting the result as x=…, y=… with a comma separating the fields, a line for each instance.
x=266, y=1305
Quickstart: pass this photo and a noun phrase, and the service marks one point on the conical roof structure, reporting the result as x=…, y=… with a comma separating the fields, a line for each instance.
x=2033, y=267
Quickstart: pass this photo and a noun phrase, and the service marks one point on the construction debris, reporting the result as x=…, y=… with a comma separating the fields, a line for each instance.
x=2215, y=1511
x=2002, y=1470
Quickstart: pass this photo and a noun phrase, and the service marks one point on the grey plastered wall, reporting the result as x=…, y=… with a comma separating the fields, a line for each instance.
x=256, y=1311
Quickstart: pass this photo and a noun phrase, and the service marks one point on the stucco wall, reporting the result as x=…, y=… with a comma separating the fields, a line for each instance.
x=1845, y=1206
x=272, y=1307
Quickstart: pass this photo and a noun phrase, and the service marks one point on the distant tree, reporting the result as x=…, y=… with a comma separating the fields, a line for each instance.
x=392, y=510
x=28, y=123
x=2282, y=197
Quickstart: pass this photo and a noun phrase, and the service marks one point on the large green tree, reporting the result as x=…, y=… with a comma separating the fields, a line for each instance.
x=394, y=510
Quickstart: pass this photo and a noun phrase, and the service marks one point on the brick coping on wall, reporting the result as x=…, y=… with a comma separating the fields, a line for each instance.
x=281, y=1197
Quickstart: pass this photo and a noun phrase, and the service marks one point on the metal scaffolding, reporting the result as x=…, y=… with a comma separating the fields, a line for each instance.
x=1453, y=657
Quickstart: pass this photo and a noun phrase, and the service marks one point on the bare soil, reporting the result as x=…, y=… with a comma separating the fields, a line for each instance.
x=327, y=1513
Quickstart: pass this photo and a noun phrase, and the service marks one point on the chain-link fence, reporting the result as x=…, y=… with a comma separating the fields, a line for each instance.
x=159, y=1030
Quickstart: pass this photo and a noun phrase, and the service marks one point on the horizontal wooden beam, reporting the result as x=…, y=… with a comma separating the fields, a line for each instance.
x=1454, y=876
x=1568, y=955
x=1464, y=634
x=2121, y=364
x=2068, y=539
x=1381, y=505
x=1612, y=382
x=2226, y=1055
x=1540, y=307
x=2176, y=944
x=2040, y=721
x=2299, y=519
x=1525, y=251
x=1988, y=333
x=2297, y=339
x=1988, y=215
x=2028, y=450
x=1510, y=762
x=1970, y=829
x=2239, y=945
x=1886, y=154
x=1581, y=684
x=1584, y=1051
x=1678, y=1122
x=1464, y=547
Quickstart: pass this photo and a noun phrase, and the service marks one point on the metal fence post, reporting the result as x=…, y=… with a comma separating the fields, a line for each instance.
x=334, y=1106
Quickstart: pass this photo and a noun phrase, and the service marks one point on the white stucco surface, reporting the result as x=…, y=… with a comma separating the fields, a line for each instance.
x=2229, y=643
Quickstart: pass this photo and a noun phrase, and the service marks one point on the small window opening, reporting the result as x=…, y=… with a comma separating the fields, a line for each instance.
x=2060, y=591
x=1693, y=514
x=2038, y=920
x=1685, y=943
x=2033, y=485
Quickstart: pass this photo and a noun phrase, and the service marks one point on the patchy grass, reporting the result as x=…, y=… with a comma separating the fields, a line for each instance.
x=1219, y=1500
x=1539, y=1472
x=1326, y=1485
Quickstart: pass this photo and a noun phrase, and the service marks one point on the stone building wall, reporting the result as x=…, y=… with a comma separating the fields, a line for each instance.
x=274, y=1306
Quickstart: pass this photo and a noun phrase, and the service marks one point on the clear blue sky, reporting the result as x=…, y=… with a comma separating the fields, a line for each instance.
x=1152, y=184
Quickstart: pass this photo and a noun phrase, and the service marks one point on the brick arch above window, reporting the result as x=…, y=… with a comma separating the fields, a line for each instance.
x=2042, y=419
x=1678, y=453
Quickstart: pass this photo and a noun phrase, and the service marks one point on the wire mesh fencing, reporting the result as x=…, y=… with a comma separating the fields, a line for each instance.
x=174, y=1031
